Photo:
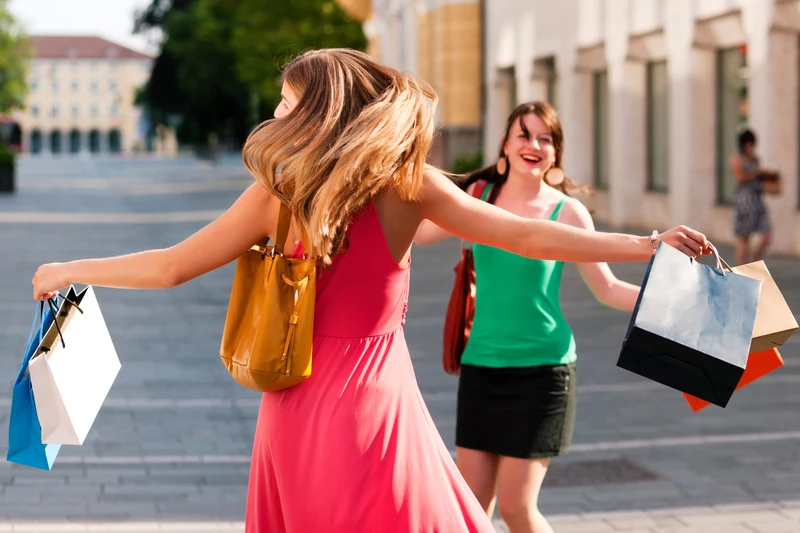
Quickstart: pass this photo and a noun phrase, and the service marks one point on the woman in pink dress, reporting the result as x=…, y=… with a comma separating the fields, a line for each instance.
x=353, y=448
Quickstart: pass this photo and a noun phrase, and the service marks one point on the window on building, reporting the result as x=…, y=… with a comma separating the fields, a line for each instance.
x=34, y=85
x=94, y=111
x=507, y=78
x=93, y=65
x=75, y=111
x=552, y=83
x=54, y=86
x=93, y=86
x=34, y=110
x=114, y=141
x=36, y=142
x=602, y=154
x=112, y=85
x=545, y=77
x=731, y=116
x=75, y=86
x=657, y=127
x=74, y=141
x=114, y=110
x=55, y=142
x=54, y=111
x=94, y=141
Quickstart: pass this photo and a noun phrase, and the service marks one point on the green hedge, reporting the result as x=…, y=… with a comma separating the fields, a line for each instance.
x=464, y=165
x=6, y=157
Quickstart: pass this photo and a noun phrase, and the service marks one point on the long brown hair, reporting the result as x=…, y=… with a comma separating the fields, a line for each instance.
x=358, y=128
x=544, y=111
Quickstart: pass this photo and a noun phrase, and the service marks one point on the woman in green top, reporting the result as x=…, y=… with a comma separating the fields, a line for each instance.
x=516, y=397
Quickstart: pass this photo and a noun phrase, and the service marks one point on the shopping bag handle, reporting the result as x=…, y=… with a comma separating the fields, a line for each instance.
x=721, y=264
x=726, y=264
x=54, y=309
x=36, y=318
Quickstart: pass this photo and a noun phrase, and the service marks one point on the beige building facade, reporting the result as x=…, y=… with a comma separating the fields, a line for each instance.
x=81, y=97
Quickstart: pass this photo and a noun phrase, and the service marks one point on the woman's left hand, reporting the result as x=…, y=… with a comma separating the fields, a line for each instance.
x=48, y=280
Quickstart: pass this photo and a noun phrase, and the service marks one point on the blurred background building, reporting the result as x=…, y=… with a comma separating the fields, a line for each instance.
x=651, y=93
x=81, y=96
x=440, y=40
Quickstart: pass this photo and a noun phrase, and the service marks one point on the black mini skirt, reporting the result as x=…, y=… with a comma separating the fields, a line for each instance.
x=523, y=412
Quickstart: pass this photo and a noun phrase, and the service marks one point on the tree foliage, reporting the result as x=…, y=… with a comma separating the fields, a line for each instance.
x=15, y=51
x=219, y=63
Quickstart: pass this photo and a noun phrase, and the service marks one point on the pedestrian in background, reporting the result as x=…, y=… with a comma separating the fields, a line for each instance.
x=750, y=215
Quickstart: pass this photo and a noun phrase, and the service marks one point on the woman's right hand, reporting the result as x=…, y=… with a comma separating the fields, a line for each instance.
x=48, y=279
x=691, y=242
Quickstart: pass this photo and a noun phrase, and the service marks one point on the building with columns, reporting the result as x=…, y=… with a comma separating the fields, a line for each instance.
x=651, y=94
x=81, y=96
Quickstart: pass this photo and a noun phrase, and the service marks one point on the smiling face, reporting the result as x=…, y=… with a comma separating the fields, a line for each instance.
x=530, y=146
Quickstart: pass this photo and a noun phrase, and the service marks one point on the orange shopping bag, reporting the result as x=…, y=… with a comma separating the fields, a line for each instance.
x=758, y=364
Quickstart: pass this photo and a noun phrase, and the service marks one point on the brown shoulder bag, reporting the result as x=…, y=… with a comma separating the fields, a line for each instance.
x=269, y=328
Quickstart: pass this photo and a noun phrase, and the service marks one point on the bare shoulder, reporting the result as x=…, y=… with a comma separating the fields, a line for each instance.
x=259, y=207
x=438, y=183
x=433, y=178
x=394, y=210
x=575, y=213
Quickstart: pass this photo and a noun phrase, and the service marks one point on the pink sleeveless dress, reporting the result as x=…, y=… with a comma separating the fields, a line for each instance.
x=353, y=448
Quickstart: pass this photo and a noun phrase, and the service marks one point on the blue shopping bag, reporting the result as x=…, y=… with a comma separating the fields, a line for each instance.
x=691, y=327
x=25, y=445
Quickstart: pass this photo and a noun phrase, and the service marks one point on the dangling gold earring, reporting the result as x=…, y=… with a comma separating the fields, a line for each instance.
x=502, y=165
x=554, y=176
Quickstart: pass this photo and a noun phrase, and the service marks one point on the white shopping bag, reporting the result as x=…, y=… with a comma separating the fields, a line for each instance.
x=72, y=371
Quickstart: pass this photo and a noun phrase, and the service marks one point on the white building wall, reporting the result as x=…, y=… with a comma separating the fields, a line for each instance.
x=620, y=36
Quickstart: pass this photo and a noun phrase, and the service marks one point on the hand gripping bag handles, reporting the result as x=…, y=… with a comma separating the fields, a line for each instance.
x=269, y=328
x=461, y=308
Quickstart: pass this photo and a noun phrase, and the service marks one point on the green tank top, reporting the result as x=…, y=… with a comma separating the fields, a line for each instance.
x=518, y=320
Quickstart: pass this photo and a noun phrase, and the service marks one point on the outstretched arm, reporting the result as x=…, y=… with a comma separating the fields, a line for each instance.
x=430, y=233
x=243, y=225
x=444, y=204
x=606, y=288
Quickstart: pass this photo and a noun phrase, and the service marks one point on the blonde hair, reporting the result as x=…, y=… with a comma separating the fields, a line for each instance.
x=358, y=128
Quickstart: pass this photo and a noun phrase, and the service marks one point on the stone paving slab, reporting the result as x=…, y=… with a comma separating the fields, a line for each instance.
x=175, y=418
x=766, y=518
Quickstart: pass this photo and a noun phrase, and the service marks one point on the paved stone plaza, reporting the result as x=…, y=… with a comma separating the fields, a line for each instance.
x=170, y=449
